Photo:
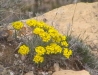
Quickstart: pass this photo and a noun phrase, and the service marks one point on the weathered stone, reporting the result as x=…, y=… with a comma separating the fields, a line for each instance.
x=71, y=72
x=56, y=67
x=30, y=73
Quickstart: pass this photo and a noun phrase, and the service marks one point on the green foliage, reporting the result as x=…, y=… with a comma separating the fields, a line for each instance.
x=83, y=52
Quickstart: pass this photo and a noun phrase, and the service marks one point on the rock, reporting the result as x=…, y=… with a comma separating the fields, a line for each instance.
x=3, y=34
x=23, y=57
x=71, y=72
x=30, y=73
x=56, y=67
x=6, y=35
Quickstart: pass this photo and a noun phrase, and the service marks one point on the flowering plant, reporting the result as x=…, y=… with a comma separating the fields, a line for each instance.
x=17, y=25
x=47, y=39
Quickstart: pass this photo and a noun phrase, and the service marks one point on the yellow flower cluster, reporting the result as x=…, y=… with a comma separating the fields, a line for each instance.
x=35, y=23
x=53, y=48
x=40, y=50
x=38, y=31
x=45, y=31
x=67, y=52
x=53, y=32
x=38, y=59
x=48, y=34
x=17, y=25
x=23, y=50
x=64, y=43
x=31, y=22
x=63, y=38
x=41, y=24
x=44, y=35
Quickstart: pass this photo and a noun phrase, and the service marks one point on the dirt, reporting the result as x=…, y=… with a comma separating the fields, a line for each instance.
x=11, y=60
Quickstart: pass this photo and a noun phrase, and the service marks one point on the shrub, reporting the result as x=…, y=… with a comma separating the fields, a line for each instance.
x=46, y=44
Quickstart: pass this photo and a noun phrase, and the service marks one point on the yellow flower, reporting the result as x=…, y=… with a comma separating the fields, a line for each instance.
x=49, y=50
x=53, y=32
x=17, y=25
x=38, y=31
x=47, y=27
x=23, y=50
x=63, y=37
x=45, y=37
x=38, y=59
x=40, y=50
x=67, y=53
x=31, y=22
x=70, y=52
x=56, y=39
x=53, y=48
x=64, y=43
x=57, y=48
x=41, y=24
